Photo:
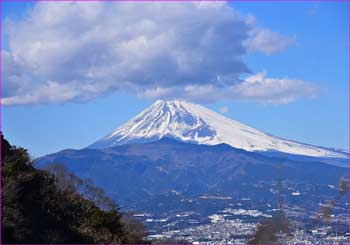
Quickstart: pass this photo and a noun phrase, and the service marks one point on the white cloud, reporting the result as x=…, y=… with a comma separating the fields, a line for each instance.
x=75, y=51
x=224, y=109
x=258, y=88
x=273, y=90
x=266, y=41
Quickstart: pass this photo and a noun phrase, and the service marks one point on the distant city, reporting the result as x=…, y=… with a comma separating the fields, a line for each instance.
x=236, y=225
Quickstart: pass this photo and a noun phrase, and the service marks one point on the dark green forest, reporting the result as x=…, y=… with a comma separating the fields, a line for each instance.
x=54, y=206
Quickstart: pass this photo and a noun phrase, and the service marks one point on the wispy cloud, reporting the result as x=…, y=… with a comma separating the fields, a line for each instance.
x=266, y=41
x=312, y=11
x=224, y=109
x=258, y=88
x=74, y=51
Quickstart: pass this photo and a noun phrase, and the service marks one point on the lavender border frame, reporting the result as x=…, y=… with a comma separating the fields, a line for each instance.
x=281, y=1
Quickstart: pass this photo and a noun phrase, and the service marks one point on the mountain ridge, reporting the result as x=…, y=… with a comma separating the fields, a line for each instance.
x=161, y=166
x=193, y=123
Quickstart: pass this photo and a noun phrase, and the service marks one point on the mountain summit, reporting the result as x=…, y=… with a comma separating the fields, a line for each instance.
x=193, y=123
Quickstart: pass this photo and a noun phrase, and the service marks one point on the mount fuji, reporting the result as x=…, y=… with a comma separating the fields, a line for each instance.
x=192, y=123
x=179, y=158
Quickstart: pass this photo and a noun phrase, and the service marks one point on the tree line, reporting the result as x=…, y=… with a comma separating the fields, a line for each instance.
x=55, y=206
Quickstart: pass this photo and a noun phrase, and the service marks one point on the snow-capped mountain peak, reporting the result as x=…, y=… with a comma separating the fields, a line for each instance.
x=193, y=123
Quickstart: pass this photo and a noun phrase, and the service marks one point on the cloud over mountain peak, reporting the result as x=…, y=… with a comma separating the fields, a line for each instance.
x=74, y=51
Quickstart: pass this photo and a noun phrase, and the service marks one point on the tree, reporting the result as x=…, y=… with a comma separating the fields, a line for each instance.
x=41, y=207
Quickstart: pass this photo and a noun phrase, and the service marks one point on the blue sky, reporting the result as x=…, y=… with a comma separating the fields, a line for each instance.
x=316, y=54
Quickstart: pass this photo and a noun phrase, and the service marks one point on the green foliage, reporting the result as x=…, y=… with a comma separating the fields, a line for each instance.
x=40, y=207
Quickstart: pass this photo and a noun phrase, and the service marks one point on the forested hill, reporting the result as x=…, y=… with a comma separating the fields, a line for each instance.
x=40, y=207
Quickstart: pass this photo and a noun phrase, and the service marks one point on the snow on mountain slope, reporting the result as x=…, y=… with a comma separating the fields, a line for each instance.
x=194, y=123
